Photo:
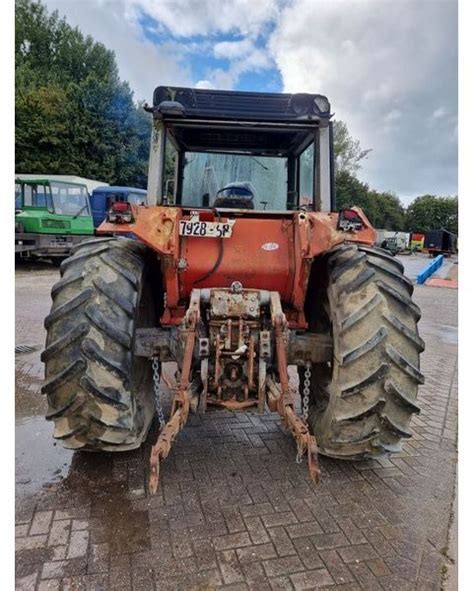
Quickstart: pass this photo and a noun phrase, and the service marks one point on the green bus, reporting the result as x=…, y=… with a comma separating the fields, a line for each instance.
x=50, y=217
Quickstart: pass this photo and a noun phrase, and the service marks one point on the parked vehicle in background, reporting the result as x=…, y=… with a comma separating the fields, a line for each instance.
x=417, y=242
x=441, y=242
x=103, y=197
x=394, y=242
x=50, y=217
x=91, y=184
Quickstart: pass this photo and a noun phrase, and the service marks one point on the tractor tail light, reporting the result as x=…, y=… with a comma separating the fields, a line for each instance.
x=120, y=212
x=349, y=221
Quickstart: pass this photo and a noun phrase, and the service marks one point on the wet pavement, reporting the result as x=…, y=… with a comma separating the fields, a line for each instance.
x=234, y=510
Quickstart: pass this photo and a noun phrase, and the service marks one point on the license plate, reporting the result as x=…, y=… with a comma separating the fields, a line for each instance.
x=60, y=244
x=194, y=227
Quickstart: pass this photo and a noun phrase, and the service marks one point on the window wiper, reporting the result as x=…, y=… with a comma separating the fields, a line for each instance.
x=79, y=212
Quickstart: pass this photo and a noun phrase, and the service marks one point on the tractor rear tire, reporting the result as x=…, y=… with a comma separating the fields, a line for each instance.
x=99, y=393
x=361, y=404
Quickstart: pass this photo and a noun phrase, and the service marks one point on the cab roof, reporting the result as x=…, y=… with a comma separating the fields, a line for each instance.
x=201, y=103
x=235, y=122
x=114, y=189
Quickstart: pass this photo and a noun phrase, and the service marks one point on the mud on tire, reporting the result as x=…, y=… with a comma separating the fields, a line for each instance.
x=361, y=404
x=99, y=394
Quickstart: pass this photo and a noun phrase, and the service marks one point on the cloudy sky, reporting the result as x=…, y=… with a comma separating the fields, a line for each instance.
x=389, y=67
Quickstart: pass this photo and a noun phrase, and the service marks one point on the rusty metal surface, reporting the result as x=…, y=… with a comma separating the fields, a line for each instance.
x=304, y=347
x=230, y=317
x=181, y=401
x=185, y=260
x=156, y=342
x=224, y=303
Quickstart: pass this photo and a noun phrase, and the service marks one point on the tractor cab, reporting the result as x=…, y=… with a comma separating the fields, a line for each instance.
x=50, y=217
x=209, y=147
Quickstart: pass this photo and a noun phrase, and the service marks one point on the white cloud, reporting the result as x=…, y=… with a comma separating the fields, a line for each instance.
x=187, y=18
x=207, y=84
x=439, y=112
x=389, y=68
x=386, y=67
x=243, y=56
x=142, y=63
x=233, y=49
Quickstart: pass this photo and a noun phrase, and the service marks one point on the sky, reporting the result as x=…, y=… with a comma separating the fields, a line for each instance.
x=388, y=67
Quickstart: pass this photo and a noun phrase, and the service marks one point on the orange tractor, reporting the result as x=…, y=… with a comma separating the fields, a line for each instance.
x=236, y=268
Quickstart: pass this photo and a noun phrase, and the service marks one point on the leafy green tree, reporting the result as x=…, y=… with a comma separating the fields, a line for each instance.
x=428, y=212
x=384, y=210
x=348, y=152
x=350, y=191
x=387, y=211
x=73, y=113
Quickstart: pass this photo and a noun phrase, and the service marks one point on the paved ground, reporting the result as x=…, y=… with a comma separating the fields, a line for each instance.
x=234, y=510
x=417, y=261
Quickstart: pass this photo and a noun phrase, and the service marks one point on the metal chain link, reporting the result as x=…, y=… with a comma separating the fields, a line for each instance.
x=155, y=363
x=305, y=406
x=306, y=390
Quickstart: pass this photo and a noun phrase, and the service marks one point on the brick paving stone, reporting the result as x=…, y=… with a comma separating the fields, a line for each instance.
x=26, y=583
x=41, y=522
x=311, y=579
x=58, y=552
x=256, y=553
x=233, y=510
x=308, y=553
x=256, y=509
x=78, y=543
x=53, y=570
x=338, y=569
x=364, y=576
x=328, y=541
x=281, y=541
x=230, y=567
x=378, y=567
x=49, y=585
x=59, y=533
x=275, y=519
x=281, y=584
x=256, y=529
x=21, y=530
x=357, y=553
x=302, y=530
x=30, y=542
x=232, y=541
x=205, y=555
x=283, y=566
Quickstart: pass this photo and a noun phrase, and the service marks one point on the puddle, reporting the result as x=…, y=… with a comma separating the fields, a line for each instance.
x=38, y=461
x=102, y=480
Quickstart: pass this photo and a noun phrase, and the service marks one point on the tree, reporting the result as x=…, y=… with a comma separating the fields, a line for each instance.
x=428, y=212
x=387, y=211
x=347, y=151
x=384, y=210
x=73, y=113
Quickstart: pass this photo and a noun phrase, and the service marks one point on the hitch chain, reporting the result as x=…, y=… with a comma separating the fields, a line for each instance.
x=155, y=363
x=306, y=391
